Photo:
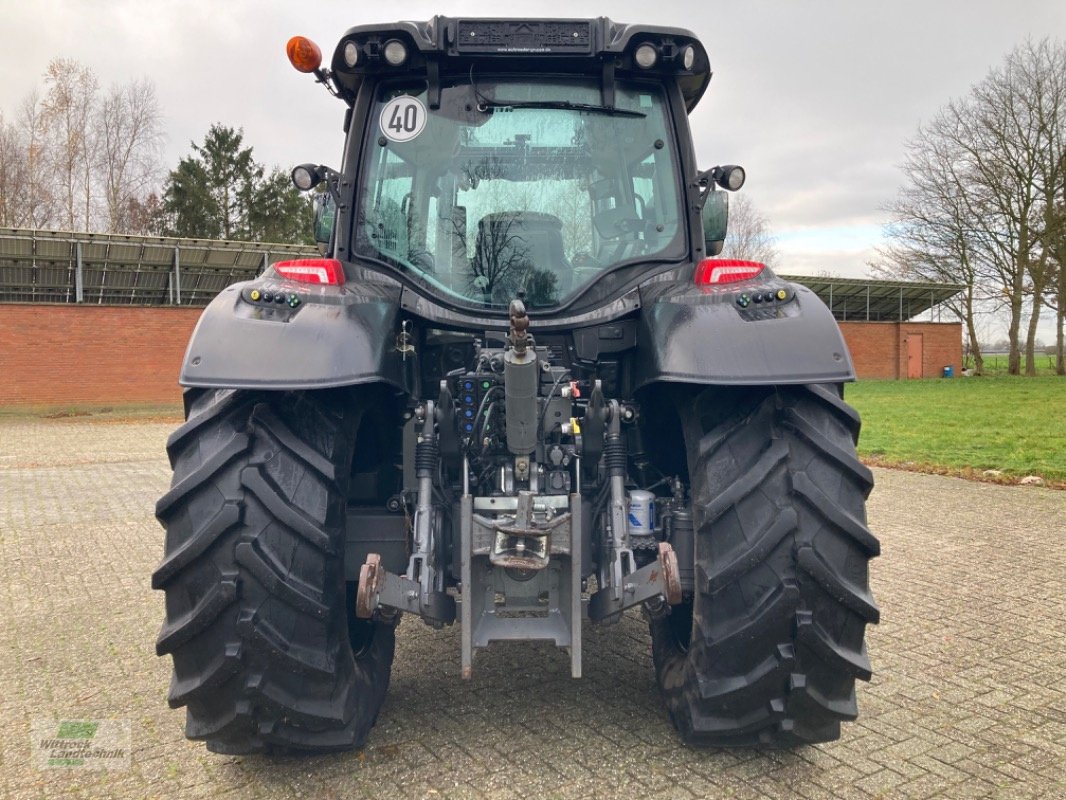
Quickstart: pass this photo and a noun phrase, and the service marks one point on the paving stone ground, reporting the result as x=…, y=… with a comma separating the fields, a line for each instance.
x=968, y=700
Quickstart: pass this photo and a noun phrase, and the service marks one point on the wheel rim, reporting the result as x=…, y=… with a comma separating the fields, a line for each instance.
x=360, y=631
x=679, y=623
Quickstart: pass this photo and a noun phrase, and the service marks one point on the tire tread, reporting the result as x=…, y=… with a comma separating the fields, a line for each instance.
x=782, y=596
x=257, y=619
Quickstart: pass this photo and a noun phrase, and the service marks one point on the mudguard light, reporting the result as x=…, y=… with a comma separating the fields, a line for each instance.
x=713, y=271
x=323, y=271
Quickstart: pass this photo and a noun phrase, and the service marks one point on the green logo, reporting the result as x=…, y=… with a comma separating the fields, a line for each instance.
x=89, y=744
x=74, y=731
x=77, y=730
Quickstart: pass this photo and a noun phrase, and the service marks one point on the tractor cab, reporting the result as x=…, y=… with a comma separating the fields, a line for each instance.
x=494, y=159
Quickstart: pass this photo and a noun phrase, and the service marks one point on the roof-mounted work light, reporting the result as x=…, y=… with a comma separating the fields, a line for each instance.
x=646, y=56
x=351, y=54
x=395, y=52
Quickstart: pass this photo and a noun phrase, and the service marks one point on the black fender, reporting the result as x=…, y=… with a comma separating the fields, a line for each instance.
x=713, y=335
x=329, y=336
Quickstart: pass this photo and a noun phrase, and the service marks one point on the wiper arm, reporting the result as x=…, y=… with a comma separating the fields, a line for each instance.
x=564, y=105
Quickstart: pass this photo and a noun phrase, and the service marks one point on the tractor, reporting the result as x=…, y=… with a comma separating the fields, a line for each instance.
x=520, y=391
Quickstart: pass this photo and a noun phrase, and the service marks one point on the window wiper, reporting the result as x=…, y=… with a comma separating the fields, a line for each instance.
x=564, y=105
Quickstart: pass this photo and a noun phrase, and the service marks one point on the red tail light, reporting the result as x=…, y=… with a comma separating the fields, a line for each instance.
x=325, y=271
x=726, y=270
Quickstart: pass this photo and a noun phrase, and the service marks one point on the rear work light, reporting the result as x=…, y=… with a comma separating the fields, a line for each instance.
x=323, y=271
x=714, y=271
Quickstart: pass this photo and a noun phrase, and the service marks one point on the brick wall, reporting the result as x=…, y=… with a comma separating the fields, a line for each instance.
x=941, y=346
x=65, y=355
x=874, y=348
x=879, y=349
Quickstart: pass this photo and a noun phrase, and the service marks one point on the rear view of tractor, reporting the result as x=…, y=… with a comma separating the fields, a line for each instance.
x=519, y=393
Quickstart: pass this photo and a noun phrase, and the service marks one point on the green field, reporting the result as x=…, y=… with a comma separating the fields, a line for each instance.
x=960, y=426
x=997, y=365
x=966, y=425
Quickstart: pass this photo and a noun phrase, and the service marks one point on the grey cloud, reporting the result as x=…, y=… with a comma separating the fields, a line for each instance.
x=815, y=98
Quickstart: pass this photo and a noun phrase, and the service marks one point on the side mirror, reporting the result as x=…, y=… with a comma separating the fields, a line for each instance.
x=715, y=222
x=325, y=213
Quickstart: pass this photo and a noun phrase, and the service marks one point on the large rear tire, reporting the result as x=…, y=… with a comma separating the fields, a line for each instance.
x=259, y=620
x=769, y=648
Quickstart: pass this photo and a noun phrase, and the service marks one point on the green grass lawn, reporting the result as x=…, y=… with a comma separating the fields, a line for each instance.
x=957, y=426
x=132, y=412
x=996, y=365
x=966, y=425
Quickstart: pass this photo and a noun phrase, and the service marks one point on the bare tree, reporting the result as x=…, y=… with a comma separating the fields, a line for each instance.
x=1055, y=297
x=144, y=216
x=1037, y=75
x=12, y=174
x=1008, y=129
x=36, y=207
x=932, y=235
x=76, y=160
x=750, y=237
x=130, y=134
x=68, y=107
x=981, y=181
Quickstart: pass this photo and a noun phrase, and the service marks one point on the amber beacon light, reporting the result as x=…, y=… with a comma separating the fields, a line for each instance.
x=303, y=54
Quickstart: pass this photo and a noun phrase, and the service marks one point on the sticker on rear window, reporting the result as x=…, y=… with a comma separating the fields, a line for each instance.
x=403, y=118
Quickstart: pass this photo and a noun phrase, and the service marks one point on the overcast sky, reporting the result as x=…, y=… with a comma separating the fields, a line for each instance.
x=814, y=98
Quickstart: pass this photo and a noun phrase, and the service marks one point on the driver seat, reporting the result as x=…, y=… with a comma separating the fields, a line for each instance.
x=521, y=250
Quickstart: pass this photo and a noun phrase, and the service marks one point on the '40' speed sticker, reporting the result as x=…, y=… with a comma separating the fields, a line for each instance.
x=403, y=118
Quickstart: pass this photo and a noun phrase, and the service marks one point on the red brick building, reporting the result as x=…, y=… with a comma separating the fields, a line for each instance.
x=78, y=355
x=67, y=355
x=100, y=320
x=904, y=349
x=878, y=322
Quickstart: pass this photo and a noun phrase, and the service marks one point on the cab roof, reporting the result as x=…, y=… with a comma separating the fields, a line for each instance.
x=450, y=45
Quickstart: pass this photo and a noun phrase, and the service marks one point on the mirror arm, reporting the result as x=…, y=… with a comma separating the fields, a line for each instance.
x=704, y=183
x=332, y=180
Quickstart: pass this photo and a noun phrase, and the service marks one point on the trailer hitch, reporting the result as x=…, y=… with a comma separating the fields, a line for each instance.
x=659, y=580
x=383, y=594
x=524, y=542
x=421, y=591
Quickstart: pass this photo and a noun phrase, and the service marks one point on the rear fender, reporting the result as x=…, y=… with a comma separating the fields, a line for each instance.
x=330, y=336
x=704, y=335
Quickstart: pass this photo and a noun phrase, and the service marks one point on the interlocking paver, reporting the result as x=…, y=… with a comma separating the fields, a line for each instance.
x=968, y=698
